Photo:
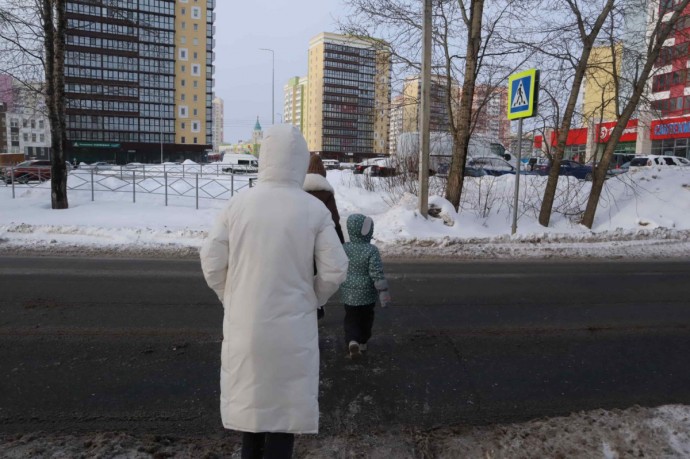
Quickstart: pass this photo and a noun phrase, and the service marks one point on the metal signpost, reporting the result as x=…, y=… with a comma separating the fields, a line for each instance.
x=523, y=99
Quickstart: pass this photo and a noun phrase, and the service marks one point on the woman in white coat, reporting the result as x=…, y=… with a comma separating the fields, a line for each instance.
x=259, y=259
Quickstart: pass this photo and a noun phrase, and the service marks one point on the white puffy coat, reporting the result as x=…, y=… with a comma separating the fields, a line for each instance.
x=259, y=259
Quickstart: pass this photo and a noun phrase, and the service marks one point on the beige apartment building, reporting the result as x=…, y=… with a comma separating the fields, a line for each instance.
x=348, y=97
x=295, y=92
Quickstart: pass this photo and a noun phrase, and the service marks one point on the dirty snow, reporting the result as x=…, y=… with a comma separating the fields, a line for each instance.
x=662, y=432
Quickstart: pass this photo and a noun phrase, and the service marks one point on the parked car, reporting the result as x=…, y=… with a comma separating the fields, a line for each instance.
x=240, y=163
x=97, y=166
x=658, y=160
x=135, y=166
x=331, y=164
x=380, y=167
x=24, y=172
x=362, y=166
x=568, y=167
x=486, y=165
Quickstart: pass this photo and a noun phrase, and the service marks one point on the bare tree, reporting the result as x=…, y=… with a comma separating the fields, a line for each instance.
x=661, y=27
x=32, y=37
x=580, y=26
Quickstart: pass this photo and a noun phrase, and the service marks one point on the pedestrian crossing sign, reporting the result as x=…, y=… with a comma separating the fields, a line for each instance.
x=523, y=94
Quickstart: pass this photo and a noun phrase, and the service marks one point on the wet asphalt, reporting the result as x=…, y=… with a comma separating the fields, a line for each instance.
x=134, y=345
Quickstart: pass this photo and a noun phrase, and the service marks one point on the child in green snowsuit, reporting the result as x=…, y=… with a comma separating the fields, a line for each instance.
x=365, y=282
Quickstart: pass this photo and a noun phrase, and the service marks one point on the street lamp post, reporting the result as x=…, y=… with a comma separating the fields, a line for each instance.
x=273, y=83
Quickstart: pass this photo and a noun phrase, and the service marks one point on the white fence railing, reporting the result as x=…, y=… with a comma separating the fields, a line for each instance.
x=190, y=181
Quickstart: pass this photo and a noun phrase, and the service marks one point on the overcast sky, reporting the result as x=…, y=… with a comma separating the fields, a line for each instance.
x=243, y=72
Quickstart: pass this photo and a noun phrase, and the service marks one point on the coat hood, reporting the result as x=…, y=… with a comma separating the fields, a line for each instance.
x=360, y=228
x=284, y=156
x=316, y=182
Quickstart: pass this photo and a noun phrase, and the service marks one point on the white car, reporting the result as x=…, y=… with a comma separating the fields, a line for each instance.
x=658, y=160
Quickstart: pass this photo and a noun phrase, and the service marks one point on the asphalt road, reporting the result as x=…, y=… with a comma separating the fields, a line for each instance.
x=98, y=344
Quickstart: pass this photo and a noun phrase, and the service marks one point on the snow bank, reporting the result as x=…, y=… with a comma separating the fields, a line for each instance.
x=644, y=213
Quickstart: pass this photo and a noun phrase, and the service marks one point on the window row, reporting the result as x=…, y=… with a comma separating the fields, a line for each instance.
x=671, y=53
x=674, y=104
x=665, y=81
x=103, y=105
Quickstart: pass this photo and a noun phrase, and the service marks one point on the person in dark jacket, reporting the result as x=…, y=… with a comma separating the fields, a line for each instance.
x=315, y=183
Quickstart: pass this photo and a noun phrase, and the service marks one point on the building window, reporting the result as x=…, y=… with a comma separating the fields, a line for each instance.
x=33, y=137
x=42, y=138
x=25, y=123
x=195, y=140
x=196, y=55
x=183, y=40
x=26, y=137
x=184, y=25
x=183, y=139
x=33, y=124
x=196, y=84
x=196, y=27
x=183, y=125
x=196, y=12
x=196, y=112
x=183, y=82
x=183, y=68
x=183, y=111
x=182, y=96
x=195, y=98
x=196, y=126
x=40, y=124
x=183, y=10
x=196, y=70
x=183, y=54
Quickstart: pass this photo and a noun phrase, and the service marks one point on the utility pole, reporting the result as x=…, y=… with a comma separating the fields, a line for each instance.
x=425, y=108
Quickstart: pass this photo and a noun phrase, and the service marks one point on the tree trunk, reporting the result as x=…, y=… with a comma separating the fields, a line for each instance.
x=461, y=132
x=580, y=68
x=54, y=25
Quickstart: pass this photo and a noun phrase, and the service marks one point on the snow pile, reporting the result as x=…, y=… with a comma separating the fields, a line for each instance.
x=644, y=213
x=662, y=432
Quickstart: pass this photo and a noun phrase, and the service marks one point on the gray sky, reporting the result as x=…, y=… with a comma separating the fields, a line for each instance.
x=243, y=72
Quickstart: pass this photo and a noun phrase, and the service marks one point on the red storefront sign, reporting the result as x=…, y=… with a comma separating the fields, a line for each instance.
x=672, y=128
x=604, y=131
x=576, y=136
x=537, y=141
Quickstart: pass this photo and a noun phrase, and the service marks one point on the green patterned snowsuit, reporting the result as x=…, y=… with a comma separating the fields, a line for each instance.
x=365, y=267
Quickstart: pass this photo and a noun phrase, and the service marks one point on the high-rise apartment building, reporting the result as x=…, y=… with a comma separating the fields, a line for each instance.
x=218, y=115
x=488, y=106
x=348, y=96
x=295, y=95
x=491, y=120
x=396, y=127
x=139, y=80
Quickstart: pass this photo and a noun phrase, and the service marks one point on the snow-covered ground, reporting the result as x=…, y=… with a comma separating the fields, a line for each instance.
x=644, y=213
x=659, y=433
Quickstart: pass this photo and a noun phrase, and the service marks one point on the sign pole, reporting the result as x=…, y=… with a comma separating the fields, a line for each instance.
x=523, y=100
x=517, y=177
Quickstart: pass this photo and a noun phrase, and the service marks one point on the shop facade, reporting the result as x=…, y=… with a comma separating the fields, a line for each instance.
x=671, y=137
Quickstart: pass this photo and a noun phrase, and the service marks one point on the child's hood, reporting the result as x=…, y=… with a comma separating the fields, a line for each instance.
x=360, y=228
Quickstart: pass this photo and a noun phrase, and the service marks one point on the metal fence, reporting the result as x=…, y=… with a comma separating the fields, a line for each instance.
x=189, y=181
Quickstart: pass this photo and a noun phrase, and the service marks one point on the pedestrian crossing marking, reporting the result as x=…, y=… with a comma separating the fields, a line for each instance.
x=520, y=98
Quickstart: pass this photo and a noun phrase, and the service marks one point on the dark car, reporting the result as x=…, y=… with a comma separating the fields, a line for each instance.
x=37, y=170
x=478, y=167
x=571, y=168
